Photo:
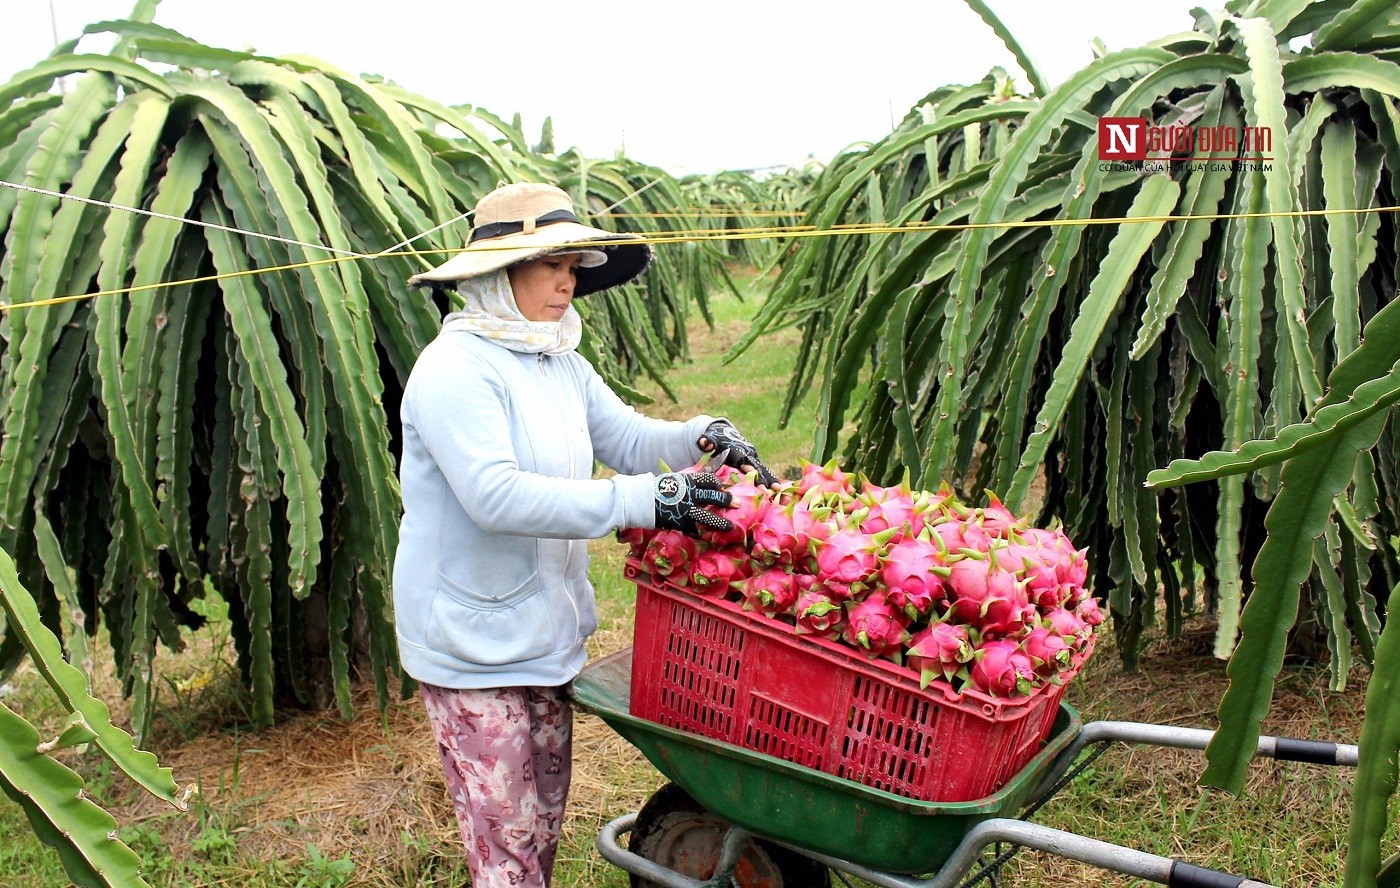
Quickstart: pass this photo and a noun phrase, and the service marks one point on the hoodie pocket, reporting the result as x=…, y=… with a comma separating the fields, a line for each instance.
x=490, y=630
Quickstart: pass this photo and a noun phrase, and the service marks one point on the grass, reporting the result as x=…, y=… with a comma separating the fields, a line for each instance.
x=315, y=801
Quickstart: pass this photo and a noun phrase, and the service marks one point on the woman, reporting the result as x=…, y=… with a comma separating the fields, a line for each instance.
x=502, y=420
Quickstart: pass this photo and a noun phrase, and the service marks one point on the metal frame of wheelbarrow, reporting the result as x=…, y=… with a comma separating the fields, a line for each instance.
x=1104, y=855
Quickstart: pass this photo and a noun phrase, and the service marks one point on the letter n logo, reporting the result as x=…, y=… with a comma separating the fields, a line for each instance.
x=1122, y=138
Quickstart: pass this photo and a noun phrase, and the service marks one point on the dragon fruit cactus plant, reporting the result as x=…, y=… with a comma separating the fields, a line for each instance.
x=972, y=598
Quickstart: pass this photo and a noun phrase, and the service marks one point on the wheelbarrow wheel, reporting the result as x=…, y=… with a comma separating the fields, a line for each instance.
x=672, y=829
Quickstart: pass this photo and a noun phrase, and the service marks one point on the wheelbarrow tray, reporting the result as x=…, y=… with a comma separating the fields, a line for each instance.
x=802, y=807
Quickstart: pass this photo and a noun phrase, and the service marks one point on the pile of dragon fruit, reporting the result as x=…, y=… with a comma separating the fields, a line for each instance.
x=972, y=597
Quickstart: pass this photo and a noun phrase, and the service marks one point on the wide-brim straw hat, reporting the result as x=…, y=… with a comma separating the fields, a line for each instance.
x=521, y=222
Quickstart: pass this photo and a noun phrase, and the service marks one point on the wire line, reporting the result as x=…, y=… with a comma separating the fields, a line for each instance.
x=682, y=236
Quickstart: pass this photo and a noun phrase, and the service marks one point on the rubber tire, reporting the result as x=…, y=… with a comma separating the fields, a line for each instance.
x=671, y=817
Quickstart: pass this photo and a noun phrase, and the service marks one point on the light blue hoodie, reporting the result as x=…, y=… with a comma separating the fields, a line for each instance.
x=491, y=576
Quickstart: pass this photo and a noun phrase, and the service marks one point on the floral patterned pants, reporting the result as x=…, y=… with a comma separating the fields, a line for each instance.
x=507, y=754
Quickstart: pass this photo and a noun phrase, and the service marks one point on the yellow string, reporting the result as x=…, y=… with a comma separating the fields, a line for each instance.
x=692, y=213
x=803, y=231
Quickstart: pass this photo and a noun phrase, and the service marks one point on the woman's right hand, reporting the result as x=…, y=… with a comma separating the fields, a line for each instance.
x=681, y=498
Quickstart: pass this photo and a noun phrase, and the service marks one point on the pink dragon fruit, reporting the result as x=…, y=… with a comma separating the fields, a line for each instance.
x=997, y=520
x=770, y=592
x=1090, y=612
x=987, y=597
x=747, y=509
x=913, y=575
x=818, y=615
x=726, y=474
x=669, y=553
x=875, y=626
x=1048, y=651
x=714, y=571
x=848, y=557
x=948, y=534
x=636, y=539
x=890, y=507
x=938, y=651
x=1043, y=586
x=784, y=535
x=1002, y=669
x=1071, y=565
x=827, y=480
x=1068, y=625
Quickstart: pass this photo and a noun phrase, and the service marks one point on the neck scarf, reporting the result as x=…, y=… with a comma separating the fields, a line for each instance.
x=491, y=313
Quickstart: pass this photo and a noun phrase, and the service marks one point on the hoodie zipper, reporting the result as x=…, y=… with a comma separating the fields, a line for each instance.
x=569, y=547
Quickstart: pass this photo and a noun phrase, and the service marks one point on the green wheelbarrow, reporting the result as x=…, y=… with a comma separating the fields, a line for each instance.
x=735, y=818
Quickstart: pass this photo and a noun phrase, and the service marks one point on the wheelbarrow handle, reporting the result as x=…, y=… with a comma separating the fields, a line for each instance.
x=1096, y=852
x=1279, y=748
x=1186, y=875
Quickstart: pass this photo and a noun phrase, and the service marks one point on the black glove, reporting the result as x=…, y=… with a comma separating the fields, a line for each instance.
x=733, y=449
x=681, y=498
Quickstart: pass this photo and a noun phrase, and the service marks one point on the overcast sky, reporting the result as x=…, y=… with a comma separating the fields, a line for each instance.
x=690, y=87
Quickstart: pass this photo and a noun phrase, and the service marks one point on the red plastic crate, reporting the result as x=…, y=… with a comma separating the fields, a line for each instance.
x=706, y=666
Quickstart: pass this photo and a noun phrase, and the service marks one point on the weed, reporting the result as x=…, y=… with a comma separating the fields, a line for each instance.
x=322, y=872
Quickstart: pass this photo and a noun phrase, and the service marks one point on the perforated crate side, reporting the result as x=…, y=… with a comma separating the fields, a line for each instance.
x=707, y=667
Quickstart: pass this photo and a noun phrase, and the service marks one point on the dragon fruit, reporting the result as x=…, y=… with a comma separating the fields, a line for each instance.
x=938, y=651
x=784, y=535
x=948, y=534
x=770, y=592
x=1048, y=651
x=635, y=538
x=875, y=626
x=1068, y=625
x=668, y=553
x=997, y=520
x=714, y=571
x=1043, y=586
x=1090, y=612
x=818, y=615
x=826, y=479
x=1071, y=565
x=848, y=557
x=969, y=597
x=890, y=507
x=1002, y=669
x=913, y=574
x=959, y=532
x=988, y=597
x=749, y=504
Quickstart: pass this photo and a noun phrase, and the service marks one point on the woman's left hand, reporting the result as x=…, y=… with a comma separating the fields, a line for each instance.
x=732, y=449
